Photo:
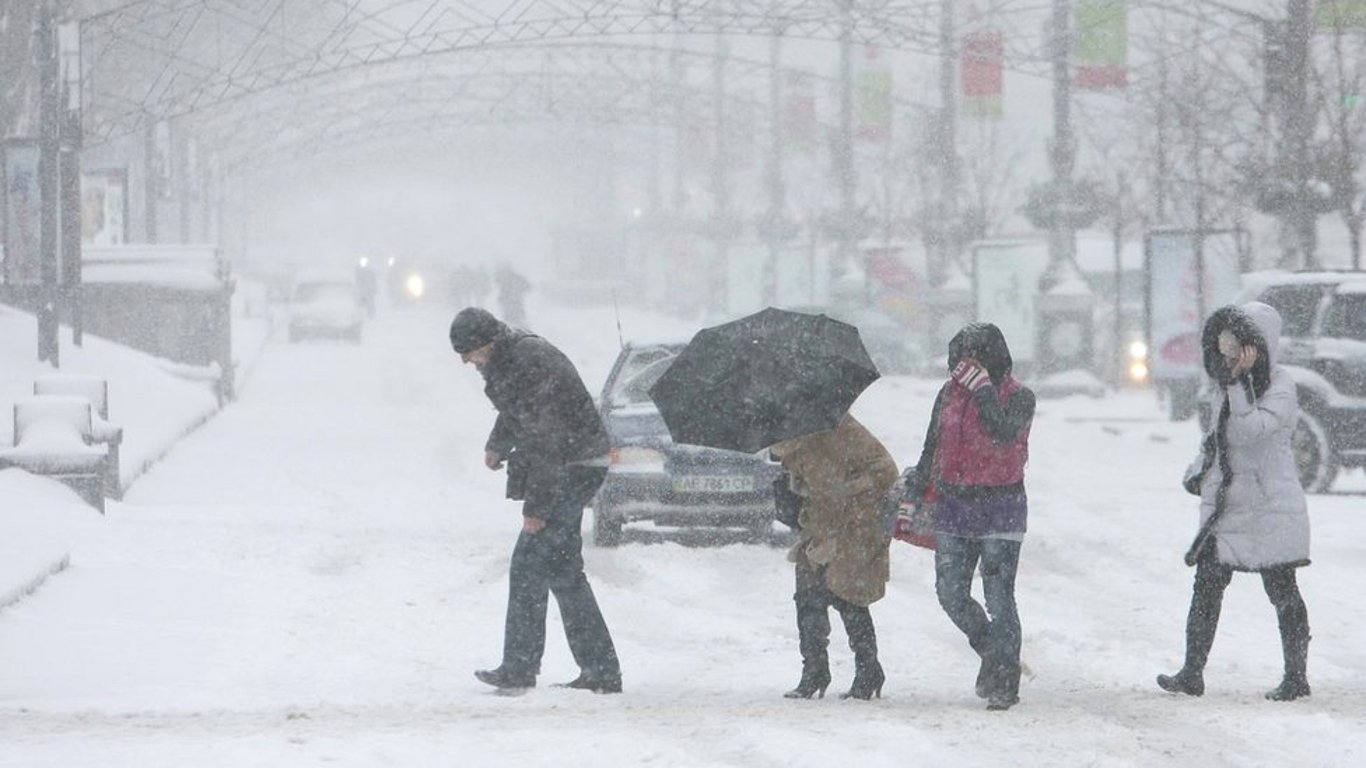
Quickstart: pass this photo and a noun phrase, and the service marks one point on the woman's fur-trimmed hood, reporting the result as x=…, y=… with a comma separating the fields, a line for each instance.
x=1253, y=323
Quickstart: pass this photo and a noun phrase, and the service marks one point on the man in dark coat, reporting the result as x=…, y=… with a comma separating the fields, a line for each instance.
x=553, y=442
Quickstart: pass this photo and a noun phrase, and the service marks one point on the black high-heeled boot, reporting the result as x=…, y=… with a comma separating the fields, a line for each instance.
x=813, y=637
x=815, y=679
x=868, y=682
x=868, y=674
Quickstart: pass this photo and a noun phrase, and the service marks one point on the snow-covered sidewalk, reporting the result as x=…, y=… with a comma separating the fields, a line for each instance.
x=152, y=399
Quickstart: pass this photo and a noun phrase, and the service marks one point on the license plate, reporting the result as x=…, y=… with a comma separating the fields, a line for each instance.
x=714, y=483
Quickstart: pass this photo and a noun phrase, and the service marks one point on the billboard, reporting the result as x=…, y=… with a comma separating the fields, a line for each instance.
x=104, y=207
x=1180, y=297
x=1006, y=277
x=21, y=211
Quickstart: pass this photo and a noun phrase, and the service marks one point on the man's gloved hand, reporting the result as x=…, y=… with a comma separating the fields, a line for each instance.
x=971, y=375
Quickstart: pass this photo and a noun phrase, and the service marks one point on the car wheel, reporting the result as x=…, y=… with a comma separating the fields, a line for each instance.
x=1314, y=459
x=606, y=526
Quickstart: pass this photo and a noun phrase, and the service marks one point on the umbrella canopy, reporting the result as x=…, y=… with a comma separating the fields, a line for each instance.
x=753, y=382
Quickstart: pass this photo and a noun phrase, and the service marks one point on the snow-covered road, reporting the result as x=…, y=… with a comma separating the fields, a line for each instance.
x=311, y=578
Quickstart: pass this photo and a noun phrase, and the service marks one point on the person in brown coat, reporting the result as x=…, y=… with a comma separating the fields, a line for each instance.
x=840, y=476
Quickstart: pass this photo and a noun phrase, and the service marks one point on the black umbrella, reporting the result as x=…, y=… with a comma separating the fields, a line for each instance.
x=761, y=379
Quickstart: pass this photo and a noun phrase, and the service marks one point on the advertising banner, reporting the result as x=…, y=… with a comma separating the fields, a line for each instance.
x=799, y=118
x=104, y=207
x=1345, y=14
x=22, y=210
x=983, y=73
x=1006, y=277
x=1179, y=300
x=1102, y=47
x=873, y=97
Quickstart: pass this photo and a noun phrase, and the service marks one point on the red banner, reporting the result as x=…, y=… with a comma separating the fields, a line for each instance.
x=799, y=111
x=983, y=73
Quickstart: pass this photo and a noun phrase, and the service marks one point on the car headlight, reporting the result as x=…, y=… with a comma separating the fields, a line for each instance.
x=1138, y=351
x=635, y=458
x=1138, y=372
x=415, y=285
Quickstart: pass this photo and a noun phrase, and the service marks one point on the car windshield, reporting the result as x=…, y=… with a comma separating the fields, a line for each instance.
x=1297, y=305
x=1346, y=318
x=640, y=371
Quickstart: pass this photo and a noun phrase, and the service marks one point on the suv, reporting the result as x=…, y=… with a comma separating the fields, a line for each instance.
x=650, y=477
x=1323, y=343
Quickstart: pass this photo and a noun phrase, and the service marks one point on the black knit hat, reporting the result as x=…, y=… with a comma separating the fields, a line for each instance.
x=473, y=328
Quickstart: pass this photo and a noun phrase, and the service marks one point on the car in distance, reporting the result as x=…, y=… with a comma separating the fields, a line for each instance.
x=326, y=306
x=652, y=478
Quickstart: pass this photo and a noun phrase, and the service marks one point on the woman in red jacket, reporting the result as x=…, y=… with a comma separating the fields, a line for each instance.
x=975, y=453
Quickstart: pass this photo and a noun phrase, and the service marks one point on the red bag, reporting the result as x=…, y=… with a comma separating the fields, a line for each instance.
x=915, y=521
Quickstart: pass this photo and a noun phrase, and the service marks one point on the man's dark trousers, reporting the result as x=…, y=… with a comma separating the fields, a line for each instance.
x=552, y=561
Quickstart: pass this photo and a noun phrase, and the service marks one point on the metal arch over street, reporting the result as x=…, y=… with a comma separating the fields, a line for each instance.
x=567, y=82
x=168, y=58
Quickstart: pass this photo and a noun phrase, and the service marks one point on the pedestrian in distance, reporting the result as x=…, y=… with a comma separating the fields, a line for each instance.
x=974, y=457
x=837, y=479
x=512, y=290
x=1253, y=515
x=549, y=436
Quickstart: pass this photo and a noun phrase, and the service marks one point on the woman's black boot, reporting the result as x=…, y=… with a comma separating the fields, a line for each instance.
x=868, y=674
x=813, y=637
x=868, y=680
x=1185, y=681
x=815, y=679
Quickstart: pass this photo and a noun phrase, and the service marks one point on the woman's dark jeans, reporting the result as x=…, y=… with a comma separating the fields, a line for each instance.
x=994, y=632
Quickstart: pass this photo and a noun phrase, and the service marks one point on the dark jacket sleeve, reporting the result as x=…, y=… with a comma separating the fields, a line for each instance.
x=501, y=440
x=1004, y=423
x=918, y=476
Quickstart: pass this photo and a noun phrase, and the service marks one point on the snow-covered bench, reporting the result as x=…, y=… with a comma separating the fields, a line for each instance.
x=102, y=431
x=52, y=438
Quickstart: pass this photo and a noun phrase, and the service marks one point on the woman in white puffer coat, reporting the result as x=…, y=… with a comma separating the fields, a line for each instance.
x=1252, y=508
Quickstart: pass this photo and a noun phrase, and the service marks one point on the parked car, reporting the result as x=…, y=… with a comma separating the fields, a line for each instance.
x=1323, y=343
x=652, y=478
x=326, y=306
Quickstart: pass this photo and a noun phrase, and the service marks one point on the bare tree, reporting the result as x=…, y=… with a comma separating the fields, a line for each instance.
x=18, y=74
x=991, y=186
x=1340, y=77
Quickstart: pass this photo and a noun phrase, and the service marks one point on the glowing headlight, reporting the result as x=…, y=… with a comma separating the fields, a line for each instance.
x=364, y=262
x=1138, y=351
x=1138, y=372
x=633, y=458
x=415, y=285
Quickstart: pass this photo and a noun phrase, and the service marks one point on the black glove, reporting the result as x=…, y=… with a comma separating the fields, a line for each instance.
x=1192, y=484
x=787, y=503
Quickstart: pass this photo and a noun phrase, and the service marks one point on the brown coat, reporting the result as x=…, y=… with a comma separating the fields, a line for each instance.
x=842, y=475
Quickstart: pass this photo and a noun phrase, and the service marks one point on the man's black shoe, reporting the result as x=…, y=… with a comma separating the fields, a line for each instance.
x=501, y=678
x=594, y=684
